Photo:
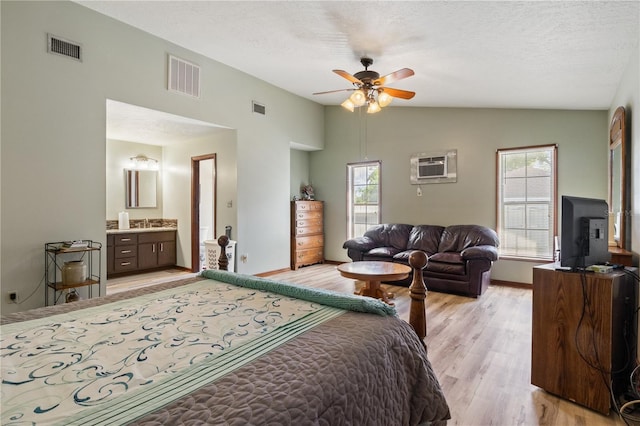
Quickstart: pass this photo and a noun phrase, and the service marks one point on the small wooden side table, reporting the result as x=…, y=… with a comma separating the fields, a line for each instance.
x=372, y=272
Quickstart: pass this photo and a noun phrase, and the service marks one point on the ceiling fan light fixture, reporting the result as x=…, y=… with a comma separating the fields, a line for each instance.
x=358, y=98
x=373, y=107
x=384, y=99
x=369, y=88
x=348, y=105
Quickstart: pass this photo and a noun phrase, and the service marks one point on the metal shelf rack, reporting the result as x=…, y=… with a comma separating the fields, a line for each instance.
x=55, y=256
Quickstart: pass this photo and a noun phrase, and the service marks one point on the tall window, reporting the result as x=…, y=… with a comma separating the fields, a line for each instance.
x=363, y=197
x=527, y=201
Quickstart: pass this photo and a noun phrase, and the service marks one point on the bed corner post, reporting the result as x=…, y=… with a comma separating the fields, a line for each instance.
x=418, y=291
x=223, y=260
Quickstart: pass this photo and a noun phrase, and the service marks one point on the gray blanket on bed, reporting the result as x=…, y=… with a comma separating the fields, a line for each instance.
x=357, y=369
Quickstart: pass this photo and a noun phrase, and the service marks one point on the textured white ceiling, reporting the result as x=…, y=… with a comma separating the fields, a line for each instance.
x=133, y=123
x=531, y=54
x=504, y=54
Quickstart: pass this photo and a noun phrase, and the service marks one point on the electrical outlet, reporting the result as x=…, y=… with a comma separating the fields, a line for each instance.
x=13, y=297
x=244, y=258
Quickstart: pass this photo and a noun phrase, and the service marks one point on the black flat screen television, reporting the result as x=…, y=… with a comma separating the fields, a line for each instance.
x=584, y=236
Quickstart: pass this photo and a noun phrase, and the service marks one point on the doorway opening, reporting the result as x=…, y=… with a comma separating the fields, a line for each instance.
x=203, y=207
x=173, y=140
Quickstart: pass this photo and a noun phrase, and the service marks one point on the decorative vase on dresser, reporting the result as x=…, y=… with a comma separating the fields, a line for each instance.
x=307, y=233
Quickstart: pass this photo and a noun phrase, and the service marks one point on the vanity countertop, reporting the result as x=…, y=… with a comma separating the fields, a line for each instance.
x=137, y=230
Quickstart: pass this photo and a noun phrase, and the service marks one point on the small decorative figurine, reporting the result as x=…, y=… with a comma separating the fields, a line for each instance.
x=307, y=192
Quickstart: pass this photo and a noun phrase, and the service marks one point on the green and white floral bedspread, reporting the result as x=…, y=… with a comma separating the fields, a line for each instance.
x=100, y=364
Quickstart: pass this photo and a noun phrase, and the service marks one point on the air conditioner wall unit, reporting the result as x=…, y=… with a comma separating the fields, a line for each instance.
x=434, y=167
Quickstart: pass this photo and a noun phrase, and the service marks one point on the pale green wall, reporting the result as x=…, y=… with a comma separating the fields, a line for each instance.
x=177, y=186
x=396, y=133
x=628, y=96
x=299, y=171
x=53, y=110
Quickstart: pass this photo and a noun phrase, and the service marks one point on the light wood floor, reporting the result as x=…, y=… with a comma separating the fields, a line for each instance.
x=480, y=350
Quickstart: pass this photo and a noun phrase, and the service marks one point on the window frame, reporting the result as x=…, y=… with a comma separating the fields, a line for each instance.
x=350, y=194
x=553, y=228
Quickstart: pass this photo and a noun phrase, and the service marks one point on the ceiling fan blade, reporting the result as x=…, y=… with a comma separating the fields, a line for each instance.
x=398, y=93
x=348, y=76
x=333, y=91
x=394, y=76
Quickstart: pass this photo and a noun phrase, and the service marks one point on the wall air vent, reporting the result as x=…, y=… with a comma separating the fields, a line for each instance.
x=60, y=46
x=259, y=108
x=184, y=77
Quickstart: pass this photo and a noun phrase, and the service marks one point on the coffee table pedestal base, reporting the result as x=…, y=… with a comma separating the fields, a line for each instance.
x=372, y=289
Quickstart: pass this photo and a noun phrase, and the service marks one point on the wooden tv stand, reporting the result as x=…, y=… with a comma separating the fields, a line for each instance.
x=557, y=365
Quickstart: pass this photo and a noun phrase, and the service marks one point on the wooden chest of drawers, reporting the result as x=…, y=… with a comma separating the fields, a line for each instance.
x=307, y=233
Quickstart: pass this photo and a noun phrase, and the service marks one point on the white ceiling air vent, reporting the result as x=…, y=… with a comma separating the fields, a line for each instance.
x=60, y=46
x=259, y=108
x=184, y=77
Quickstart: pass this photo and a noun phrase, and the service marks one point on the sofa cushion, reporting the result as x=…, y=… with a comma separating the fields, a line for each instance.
x=450, y=257
x=445, y=268
x=390, y=235
x=456, y=238
x=425, y=238
x=387, y=252
x=446, y=263
x=402, y=257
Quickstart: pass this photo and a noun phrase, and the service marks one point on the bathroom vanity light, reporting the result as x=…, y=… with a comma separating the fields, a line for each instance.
x=143, y=162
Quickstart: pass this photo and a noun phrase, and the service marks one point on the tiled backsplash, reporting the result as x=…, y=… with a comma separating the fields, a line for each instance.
x=140, y=223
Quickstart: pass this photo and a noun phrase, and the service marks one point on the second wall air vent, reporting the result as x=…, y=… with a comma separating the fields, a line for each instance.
x=60, y=46
x=259, y=108
x=184, y=77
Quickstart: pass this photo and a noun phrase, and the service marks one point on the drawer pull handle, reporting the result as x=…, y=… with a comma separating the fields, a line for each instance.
x=125, y=264
x=125, y=239
x=125, y=251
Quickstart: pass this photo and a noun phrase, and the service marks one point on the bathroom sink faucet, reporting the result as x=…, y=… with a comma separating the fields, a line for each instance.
x=146, y=223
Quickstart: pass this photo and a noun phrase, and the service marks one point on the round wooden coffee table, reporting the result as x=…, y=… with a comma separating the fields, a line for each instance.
x=372, y=272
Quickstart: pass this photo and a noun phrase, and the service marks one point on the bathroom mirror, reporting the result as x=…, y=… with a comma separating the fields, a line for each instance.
x=618, y=199
x=141, y=187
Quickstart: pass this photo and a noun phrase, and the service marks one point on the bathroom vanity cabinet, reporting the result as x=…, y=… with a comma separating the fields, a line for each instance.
x=156, y=249
x=140, y=250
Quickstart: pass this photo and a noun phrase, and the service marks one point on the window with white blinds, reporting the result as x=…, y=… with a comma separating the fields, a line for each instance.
x=527, y=201
x=363, y=197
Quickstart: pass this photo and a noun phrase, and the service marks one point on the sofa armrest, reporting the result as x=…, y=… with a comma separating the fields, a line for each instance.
x=480, y=252
x=355, y=255
x=360, y=243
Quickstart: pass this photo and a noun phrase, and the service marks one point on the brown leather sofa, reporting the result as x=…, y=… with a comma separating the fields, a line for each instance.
x=460, y=256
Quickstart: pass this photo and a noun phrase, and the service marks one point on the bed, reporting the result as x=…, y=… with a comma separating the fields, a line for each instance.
x=220, y=348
